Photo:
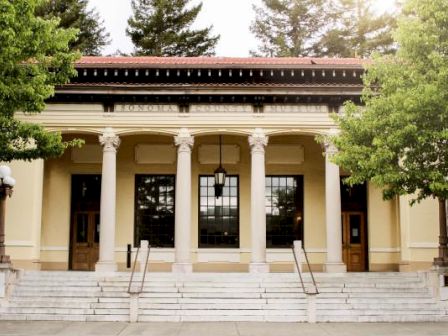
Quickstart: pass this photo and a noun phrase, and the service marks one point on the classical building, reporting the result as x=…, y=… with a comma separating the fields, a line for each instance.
x=154, y=129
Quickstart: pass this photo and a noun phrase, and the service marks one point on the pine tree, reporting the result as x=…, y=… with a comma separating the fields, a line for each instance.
x=357, y=31
x=286, y=28
x=92, y=36
x=343, y=28
x=162, y=28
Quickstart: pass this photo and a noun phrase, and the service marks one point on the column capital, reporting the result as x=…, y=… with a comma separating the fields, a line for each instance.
x=258, y=140
x=184, y=140
x=109, y=140
x=330, y=149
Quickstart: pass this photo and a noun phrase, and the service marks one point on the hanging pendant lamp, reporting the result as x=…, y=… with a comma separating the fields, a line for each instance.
x=220, y=174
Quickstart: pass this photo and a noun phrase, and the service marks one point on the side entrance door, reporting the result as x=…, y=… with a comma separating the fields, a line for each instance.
x=86, y=238
x=85, y=222
x=354, y=240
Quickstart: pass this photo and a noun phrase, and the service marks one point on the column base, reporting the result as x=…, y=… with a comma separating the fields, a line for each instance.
x=335, y=268
x=258, y=268
x=182, y=268
x=105, y=267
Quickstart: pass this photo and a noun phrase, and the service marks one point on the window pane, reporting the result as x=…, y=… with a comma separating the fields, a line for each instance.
x=82, y=227
x=284, y=210
x=220, y=226
x=154, y=209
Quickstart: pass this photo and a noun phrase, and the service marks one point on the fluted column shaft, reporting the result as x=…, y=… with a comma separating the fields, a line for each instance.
x=110, y=143
x=182, y=234
x=334, y=261
x=258, y=141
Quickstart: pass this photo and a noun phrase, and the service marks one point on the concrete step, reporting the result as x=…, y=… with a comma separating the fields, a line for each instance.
x=51, y=304
x=351, y=297
x=48, y=299
x=46, y=310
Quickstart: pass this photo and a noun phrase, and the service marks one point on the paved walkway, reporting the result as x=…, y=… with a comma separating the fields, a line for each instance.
x=17, y=328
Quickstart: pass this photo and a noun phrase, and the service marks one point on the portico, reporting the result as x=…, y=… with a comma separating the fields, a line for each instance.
x=251, y=226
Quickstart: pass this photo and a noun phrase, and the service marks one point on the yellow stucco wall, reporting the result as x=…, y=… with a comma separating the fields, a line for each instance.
x=24, y=212
x=31, y=242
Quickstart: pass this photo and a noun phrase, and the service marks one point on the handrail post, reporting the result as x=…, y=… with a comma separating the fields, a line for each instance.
x=312, y=311
x=133, y=270
x=144, y=246
x=300, y=256
x=134, y=294
x=298, y=252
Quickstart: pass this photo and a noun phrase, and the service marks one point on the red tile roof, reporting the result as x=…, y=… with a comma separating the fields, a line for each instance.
x=217, y=62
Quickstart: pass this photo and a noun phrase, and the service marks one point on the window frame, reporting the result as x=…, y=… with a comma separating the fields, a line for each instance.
x=300, y=202
x=136, y=234
x=238, y=216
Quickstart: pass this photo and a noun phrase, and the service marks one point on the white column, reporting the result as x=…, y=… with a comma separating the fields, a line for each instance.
x=258, y=141
x=334, y=263
x=182, y=228
x=110, y=143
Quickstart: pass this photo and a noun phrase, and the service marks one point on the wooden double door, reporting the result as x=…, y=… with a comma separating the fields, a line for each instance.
x=85, y=222
x=354, y=240
x=85, y=240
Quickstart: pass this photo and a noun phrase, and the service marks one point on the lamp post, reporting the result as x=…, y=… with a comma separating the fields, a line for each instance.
x=6, y=185
x=220, y=174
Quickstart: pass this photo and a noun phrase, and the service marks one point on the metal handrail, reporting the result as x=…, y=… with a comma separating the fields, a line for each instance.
x=144, y=272
x=311, y=272
x=300, y=273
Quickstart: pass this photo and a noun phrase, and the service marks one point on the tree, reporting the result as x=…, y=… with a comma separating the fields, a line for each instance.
x=399, y=139
x=357, y=31
x=342, y=28
x=34, y=57
x=162, y=28
x=92, y=36
x=287, y=28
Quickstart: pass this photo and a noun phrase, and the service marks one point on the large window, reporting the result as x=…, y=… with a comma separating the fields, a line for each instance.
x=154, y=210
x=218, y=217
x=284, y=210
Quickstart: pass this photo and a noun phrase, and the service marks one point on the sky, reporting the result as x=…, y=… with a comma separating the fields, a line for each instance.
x=230, y=18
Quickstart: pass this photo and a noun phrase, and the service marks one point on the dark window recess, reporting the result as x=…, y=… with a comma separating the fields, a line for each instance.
x=154, y=210
x=86, y=192
x=82, y=233
x=284, y=210
x=218, y=217
x=355, y=229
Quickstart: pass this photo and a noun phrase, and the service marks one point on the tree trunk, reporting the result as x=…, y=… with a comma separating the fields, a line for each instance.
x=442, y=259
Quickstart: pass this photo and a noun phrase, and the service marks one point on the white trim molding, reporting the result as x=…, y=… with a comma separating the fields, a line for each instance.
x=157, y=254
x=19, y=243
x=218, y=255
x=384, y=250
x=423, y=245
x=54, y=248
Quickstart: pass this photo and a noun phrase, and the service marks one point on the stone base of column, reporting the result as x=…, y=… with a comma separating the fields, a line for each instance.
x=182, y=268
x=105, y=267
x=258, y=268
x=335, y=268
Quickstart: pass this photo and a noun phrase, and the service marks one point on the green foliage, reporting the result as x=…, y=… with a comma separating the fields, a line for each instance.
x=92, y=36
x=341, y=28
x=287, y=28
x=399, y=139
x=34, y=57
x=357, y=31
x=162, y=28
